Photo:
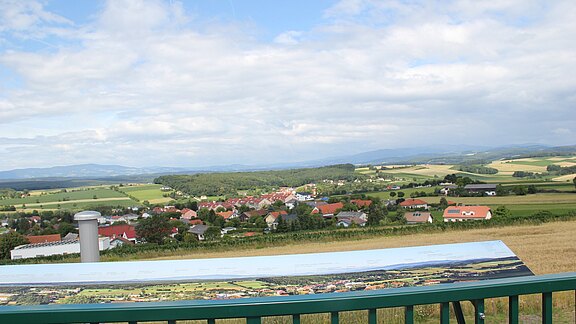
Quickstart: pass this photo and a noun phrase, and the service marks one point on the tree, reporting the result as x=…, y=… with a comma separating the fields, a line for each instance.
x=501, y=212
x=574, y=180
x=392, y=194
x=212, y=233
x=443, y=203
x=520, y=190
x=400, y=194
x=9, y=241
x=154, y=229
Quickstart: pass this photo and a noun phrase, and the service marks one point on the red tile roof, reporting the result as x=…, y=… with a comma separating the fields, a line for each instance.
x=43, y=238
x=467, y=212
x=330, y=208
x=225, y=214
x=361, y=203
x=413, y=202
x=113, y=231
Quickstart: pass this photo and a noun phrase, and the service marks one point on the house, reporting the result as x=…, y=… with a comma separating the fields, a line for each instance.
x=271, y=219
x=352, y=214
x=189, y=214
x=252, y=213
x=447, y=188
x=119, y=241
x=199, y=231
x=360, y=203
x=285, y=217
x=488, y=189
x=347, y=218
x=304, y=196
x=122, y=230
x=418, y=217
x=328, y=210
x=35, y=239
x=462, y=213
x=414, y=204
x=53, y=248
x=227, y=214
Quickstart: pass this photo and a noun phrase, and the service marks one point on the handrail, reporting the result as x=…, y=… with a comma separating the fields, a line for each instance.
x=255, y=308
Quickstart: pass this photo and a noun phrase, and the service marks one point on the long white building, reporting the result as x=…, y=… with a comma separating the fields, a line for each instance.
x=53, y=248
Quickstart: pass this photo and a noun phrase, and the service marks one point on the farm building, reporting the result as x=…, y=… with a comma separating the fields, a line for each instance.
x=414, y=204
x=463, y=213
x=347, y=218
x=53, y=248
x=418, y=217
x=35, y=239
x=488, y=189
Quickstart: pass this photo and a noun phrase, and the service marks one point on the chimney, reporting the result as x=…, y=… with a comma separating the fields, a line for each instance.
x=88, y=227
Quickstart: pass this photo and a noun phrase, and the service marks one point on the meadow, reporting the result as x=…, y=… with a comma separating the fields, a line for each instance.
x=146, y=192
x=81, y=197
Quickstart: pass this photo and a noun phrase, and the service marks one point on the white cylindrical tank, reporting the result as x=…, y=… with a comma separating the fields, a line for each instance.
x=88, y=227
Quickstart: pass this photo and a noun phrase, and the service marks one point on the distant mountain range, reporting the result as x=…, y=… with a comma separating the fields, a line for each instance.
x=430, y=155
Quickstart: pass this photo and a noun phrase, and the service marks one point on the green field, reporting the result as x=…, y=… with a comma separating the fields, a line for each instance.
x=51, y=197
x=557, y=203
x=149, y=192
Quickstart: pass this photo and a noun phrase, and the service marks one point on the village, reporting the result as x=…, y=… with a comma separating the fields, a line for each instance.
x=281, y=211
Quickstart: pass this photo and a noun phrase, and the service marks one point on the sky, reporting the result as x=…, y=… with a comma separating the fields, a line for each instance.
x=250, y=267
x=219, y=82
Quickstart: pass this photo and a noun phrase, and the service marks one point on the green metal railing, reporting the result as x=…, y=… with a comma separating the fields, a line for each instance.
x=253, y=309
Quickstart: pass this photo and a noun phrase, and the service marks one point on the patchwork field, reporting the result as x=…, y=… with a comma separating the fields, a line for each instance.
x=71, y=198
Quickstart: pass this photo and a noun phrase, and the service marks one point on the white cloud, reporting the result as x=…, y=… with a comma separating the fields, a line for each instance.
x=145, y=83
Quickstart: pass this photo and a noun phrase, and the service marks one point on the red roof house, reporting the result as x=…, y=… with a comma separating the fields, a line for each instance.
x=462, y=213
x=328, y=210
x=414, y=203
x=361, y=203
x=123, y=230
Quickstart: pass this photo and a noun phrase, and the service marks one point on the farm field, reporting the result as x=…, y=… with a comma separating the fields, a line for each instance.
x=149, y=192
x=505, y=169
x=62, y=197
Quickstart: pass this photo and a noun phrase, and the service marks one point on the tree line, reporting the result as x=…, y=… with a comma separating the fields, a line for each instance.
x=219, y=184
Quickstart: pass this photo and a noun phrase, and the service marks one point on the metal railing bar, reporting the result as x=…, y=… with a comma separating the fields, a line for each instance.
x=372, y=316
x=458, y=312
x=513, y=309
x=409, y=314
x=547, y=308
x=445, y=313
x=479, y=311
x=296, y=319
x=334, y=317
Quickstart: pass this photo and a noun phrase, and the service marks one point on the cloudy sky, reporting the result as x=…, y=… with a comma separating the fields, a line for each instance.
x=215, y=82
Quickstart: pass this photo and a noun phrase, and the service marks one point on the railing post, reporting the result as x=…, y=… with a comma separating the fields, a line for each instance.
x=547, y=308
x=335, y=318
x=372, y=318
x=513, y=309
x=479, y=315
x=296, y=319
x=409, y=314
x=444, y=313
x=254, y=320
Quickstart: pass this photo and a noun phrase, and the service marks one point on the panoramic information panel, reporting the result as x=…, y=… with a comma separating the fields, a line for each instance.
x=227, y=278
